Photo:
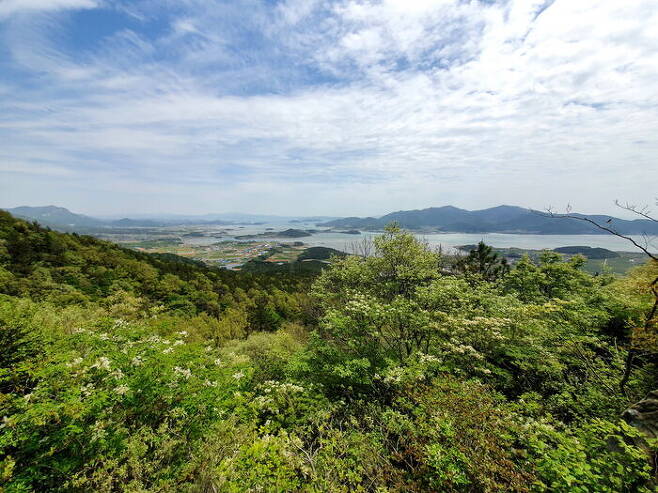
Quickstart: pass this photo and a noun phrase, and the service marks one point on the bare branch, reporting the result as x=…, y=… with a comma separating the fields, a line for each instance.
x=645, y=249
x=644, y=211
x=363, y=248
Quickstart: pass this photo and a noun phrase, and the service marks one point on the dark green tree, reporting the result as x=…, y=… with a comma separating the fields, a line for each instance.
x=484, y=261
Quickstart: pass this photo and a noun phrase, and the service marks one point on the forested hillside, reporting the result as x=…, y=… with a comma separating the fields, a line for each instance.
x=68, y=269
x=122, y=371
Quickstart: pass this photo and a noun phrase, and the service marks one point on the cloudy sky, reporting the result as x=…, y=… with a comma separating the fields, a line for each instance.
x=333, y=107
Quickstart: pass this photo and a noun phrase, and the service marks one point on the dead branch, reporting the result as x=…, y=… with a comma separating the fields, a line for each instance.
x=644, y=211
x=609, y=229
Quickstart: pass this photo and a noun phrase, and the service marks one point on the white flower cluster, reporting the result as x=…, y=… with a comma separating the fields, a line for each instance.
x=463, y=349
x=184, y=372
x=121, y=390
x=277, y=396
x=74, y=363
x=102, y=363
x=87, y=389
x=362, y=305
x=428, y=358
x=285, y=387
x=98, y=431
x=489, y=327
x=394, y=375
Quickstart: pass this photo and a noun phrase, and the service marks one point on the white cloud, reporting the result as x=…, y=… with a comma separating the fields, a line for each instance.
x=409, y=104
x=11, y=7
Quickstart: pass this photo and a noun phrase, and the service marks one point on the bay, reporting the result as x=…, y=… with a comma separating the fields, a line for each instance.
x=447, y=241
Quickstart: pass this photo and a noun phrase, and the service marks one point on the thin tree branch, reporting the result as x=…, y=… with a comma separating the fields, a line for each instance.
x=645, y=249
x=644, y=212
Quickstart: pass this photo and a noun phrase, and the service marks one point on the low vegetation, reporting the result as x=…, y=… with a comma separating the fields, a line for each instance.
x=123, y=371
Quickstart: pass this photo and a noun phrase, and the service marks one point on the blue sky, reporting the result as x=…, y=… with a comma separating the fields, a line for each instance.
x=346, y=107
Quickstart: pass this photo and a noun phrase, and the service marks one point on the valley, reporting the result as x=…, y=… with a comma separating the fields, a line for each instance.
x=269, y=242
x=233, y=247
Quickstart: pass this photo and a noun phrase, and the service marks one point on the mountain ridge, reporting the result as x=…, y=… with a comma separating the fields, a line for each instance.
x=499, y=219
x=447, y=219
x=63, y=219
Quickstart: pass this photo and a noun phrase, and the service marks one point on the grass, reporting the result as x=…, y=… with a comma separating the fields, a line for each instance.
x=619, y=265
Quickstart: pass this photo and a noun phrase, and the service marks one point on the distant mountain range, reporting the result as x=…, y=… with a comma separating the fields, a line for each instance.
x=501, y=219
x=63, y=219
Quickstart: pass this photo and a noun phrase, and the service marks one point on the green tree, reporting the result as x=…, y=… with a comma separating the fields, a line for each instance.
x=485, y=262
x=373, y=311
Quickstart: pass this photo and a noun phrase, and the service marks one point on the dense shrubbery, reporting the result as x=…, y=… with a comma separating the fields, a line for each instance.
x=125, y=372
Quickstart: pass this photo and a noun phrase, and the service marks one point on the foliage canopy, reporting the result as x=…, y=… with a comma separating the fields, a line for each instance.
x=122, y=371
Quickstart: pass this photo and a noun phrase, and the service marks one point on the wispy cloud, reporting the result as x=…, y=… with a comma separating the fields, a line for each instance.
x=347, y=105
x=12, y=7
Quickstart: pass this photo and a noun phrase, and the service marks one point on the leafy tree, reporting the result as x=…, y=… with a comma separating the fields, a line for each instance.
x=647, y=330
x=485, y=262
x=551, y=278
x=372, y=312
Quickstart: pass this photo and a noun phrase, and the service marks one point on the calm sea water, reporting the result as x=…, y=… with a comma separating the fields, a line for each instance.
x=447, y=241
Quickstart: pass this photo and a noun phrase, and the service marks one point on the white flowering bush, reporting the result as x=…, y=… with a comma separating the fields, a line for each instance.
x=98, y=390
x=284, y=405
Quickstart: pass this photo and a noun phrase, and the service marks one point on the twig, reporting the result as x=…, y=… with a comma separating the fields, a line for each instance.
x=550, y=213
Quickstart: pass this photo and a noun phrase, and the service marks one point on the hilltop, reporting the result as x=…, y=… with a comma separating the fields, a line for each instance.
x=54, y=216
x=448, y=219
x=501, y=219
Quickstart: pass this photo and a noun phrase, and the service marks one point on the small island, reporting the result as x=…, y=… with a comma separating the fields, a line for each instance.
x=589, y=252
x=288, y=233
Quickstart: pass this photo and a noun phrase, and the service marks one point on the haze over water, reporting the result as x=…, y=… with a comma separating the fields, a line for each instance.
x=448, y=241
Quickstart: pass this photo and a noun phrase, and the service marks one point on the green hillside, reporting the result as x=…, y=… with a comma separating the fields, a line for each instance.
x=124, y=371
x=69, y=269
x=319, y=253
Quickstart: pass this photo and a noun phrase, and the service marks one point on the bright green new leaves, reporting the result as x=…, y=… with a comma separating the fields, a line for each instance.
x=116, y=404
x=126, y=372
